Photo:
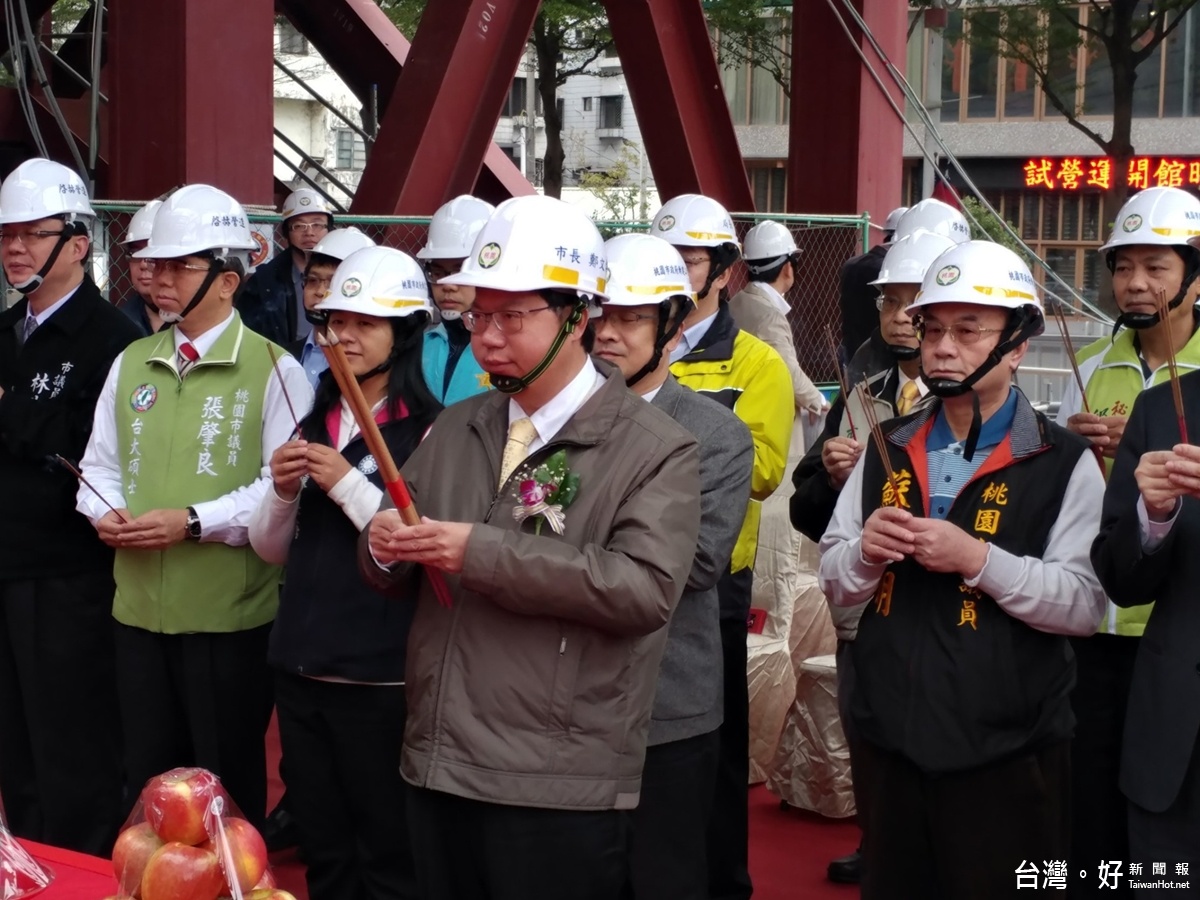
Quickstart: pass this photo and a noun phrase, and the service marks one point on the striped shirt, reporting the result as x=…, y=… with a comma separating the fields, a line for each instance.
x=948, y=471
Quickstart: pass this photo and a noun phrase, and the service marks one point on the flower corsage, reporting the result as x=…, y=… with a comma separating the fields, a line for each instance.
x=544, y=496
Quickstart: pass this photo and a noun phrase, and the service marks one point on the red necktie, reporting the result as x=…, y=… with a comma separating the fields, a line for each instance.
x=186, y=358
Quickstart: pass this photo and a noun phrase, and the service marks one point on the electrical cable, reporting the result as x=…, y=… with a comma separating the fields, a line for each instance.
x=16, y=51
x=1086, y=308
x=51, y=100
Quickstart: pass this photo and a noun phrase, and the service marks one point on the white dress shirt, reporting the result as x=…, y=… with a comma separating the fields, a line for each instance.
x=550, y=419
x=691, y=338
x=922, y=387
x=775, y=297
x=226, y=519
x=51, y=309
x=274, y=521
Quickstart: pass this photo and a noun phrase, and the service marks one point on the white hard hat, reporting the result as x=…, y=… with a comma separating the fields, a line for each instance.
x=199, y=218
x=981, y=273
x=40, y=188
x=893, y=218
x=936, y=216
x=769, y=244
x=693, y=220
x=378, y=281
x=1163, y=216
x=341, y=242
x=142, y=222
x=454, y=227
x=303, y=201
x=534, y=242
x=643, y=269
x=908, y=258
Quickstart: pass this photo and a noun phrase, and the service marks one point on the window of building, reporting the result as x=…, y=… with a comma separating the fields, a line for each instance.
x=290, y=39
x=587, y=104
x=983, y=67
x=753, y=92
x=769, y=184
x=351, y=151
x=514, y=104
x=610, y=111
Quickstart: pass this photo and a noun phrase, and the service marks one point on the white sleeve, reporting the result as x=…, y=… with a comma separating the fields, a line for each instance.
x=1060, y=592
x=358, y=498
x=226, y=520
x=101, y=463
x=1154, y=532
x=843, y=575
x=272, y=526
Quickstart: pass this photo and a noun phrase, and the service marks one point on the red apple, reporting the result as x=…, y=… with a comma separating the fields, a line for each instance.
x=247, y=850
x=175, y=803
x=267, y=881
x=133, y=850
x=179, y=872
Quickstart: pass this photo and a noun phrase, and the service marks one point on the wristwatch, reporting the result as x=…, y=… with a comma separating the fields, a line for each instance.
x=192, y=527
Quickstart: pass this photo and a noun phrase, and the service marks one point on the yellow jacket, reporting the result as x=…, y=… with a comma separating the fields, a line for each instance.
x=748, y=377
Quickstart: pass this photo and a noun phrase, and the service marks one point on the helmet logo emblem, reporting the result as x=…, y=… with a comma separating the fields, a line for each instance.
x=143, y=397
x=948, y=275
x=489, y=255
x=351, y=287
x=1132, y=223
x=306, y=201
x=666, y=223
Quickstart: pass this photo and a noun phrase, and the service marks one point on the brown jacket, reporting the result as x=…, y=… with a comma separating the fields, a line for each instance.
x=535, y=688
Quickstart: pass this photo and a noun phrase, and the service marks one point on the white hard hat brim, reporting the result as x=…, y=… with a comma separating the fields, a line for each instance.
x=174, y=251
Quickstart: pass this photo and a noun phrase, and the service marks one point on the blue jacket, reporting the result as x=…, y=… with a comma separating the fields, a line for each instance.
x=268, y=301
x=468, y=378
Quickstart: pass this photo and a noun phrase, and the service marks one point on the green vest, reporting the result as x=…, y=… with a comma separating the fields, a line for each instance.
x=183, y=442
x=1114, y=383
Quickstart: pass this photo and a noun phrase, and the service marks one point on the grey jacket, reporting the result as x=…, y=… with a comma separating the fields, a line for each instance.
x=754, y=312
x=688, y=701
x=535, y=687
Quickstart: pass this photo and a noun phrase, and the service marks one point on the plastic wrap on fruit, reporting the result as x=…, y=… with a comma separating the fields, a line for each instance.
x=186, y=840
x=20, y=874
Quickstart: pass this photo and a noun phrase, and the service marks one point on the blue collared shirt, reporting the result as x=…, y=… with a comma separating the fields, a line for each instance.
x=312, y=360
x=948, y=471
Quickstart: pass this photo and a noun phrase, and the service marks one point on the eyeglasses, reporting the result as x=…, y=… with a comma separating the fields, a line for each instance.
x=173, y=267
x=507, y=321
x=436, y=271
x=305, y=227
x=627, y=316
x=962, y=333
x=696, y=261
x=27, y=236
x=316, y=281
x=890, y=304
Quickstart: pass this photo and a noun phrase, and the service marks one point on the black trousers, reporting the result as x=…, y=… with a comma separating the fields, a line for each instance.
x=962, y=835
x=670, y=824
x=197, y=700
x=60, y=759
x=1099, y=817
x=472, y=850
x=1172, y=837
x=845, y=689
x=728, y=827
x=344, y=787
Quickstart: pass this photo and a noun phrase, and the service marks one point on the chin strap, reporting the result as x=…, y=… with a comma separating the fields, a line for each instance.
x=721, y=258
x=1140, y=321
x=215, y=268
x=903, y=353
x=507, y=384
x=35, y=281
x=667, y=329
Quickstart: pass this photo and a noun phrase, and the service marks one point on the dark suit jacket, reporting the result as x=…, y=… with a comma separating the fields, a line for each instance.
x=859, y=315
x=1163, y=717
x=268, y=301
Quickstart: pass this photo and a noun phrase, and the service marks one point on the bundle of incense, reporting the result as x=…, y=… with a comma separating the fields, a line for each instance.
x=283, y=387
x=66, y=464
x=392, y=480
x=841, y=380
x=865, y=399
x=1164, y=315
x=1061, y=320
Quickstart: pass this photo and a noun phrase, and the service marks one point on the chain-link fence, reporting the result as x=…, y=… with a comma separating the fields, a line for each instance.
x=825, y=243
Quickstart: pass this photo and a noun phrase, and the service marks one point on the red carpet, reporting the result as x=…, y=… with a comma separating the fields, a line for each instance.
x=789, y=849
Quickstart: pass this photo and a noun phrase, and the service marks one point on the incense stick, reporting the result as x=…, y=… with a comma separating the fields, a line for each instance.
x=865, y=398
x=66, y=464
x=1061, y=320
x=1164, y=315
x=841, y=380
x=283, y=387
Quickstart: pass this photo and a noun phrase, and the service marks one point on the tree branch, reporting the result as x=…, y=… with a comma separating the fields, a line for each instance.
x=1162, y=30
x=1057, y=102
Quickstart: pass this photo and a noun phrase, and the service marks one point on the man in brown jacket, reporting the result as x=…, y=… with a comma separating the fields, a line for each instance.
x=530, y=696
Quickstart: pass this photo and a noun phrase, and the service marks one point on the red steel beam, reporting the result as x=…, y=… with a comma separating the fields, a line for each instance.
x=191, y=96
x=680, y=104
x=437, y=128
x=367, y=51
x=856, y=161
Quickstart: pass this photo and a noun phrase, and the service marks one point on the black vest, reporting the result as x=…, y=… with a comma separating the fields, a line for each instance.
x=330, y=624
x=944, y=676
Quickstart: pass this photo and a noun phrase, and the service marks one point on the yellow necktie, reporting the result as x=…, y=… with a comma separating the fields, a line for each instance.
x=909, y=394
x=520, y=435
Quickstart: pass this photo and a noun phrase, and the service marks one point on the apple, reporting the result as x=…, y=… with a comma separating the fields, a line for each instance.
x=176, y=803
x=179, y=872
x=133, y=849
x=247, y=850
x=269, y=894
x=267, y=881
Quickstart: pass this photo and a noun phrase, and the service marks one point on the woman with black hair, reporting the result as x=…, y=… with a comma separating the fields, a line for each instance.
x=337, y=647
